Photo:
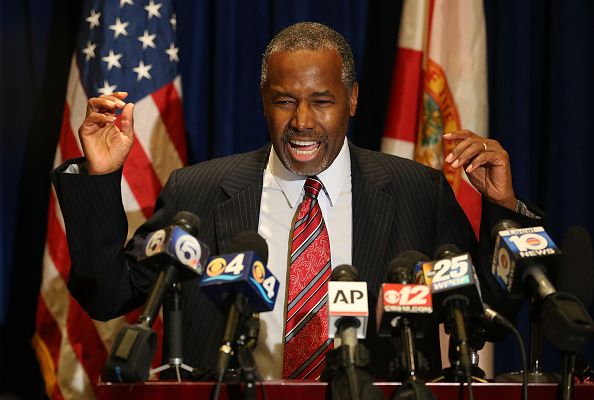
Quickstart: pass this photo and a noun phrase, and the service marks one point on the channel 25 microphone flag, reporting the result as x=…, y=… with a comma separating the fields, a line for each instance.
x=439, y=84
x=123, y=45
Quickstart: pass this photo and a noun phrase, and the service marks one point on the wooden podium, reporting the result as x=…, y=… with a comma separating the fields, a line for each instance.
x=312, y=390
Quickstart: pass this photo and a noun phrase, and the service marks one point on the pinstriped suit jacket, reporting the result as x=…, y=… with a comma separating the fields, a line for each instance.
x=397, y=205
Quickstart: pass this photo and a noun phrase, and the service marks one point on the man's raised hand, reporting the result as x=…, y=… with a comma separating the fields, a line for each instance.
x=105, y=145
x=486, y=164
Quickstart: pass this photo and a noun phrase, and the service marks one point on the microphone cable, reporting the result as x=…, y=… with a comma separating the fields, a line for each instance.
x=494, y=316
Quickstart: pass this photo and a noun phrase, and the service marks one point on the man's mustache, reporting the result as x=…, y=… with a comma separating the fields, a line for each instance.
x=305, y=134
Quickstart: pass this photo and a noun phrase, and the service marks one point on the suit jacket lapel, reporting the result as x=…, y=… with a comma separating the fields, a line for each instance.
x=241, y=210
x=373, y=216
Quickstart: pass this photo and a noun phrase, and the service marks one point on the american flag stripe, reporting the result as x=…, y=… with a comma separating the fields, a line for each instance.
x=85, y=341
x=142, y=179
x=53, y=338
x=68, y=144
x=56, y=242
x=72, y=347
x=168, y=101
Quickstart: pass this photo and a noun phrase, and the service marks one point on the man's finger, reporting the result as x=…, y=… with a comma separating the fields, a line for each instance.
x=105, y=104
x=127, y=121
x=459, y=135
x=98, y=119
x=465, y=152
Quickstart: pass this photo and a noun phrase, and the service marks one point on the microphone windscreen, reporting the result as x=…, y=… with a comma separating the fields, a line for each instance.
x=401, y=268
x=249, y=241
x=344, y=273
x=190, y=222
x=576, y=269
x=446, y=251
x=504, y=225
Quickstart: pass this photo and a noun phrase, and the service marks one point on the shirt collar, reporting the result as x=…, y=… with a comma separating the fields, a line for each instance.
x=277, y=176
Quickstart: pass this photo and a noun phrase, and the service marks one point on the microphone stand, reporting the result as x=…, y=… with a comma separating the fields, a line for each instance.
x=134, y=346
x=173, y=321
x=238, y=311
x=413, y=388
x=349, y=360
x=245, y=345
x=535, y=374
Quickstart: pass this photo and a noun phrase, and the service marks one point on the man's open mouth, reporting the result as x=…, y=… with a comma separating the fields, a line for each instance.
x=304, y=147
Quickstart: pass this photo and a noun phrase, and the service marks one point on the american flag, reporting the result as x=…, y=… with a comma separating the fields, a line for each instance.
x=123, y=45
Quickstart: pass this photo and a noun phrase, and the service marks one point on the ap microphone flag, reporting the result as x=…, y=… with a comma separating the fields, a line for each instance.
x=347, y=299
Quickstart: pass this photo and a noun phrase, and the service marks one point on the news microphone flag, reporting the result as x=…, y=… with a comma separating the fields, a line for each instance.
x=175, y=245
x=439, y=84
x=453, y=277
x=242, y=272
x=122, y=46
x=401, y=299
x=515, y=249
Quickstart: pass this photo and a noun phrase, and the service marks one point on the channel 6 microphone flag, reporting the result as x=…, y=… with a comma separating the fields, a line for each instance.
x=127, y=46
x=439, y=85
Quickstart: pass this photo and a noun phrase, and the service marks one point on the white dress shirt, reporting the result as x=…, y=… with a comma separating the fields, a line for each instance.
x=282, y=193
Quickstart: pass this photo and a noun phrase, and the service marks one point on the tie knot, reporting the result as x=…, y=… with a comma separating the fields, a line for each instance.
x=312, y=186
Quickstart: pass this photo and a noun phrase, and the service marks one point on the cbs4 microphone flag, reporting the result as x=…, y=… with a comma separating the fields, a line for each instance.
x=439, y=85
x=123, y=45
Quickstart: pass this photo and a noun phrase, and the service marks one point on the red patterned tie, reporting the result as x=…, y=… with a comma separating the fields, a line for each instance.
x=306, y=329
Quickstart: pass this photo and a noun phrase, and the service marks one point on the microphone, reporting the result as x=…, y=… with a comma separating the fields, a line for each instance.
x=239, y=282
x=456, y=297
x=348, y=312
x=348, y=309
x=401, y=295
x=577, y=265
x=524, y=259
x=176, y=253
x=400, y=301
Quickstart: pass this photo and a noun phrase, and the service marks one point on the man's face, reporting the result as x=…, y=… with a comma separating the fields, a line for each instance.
x=307, y=108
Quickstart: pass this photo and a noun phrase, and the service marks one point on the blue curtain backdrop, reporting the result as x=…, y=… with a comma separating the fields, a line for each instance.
x=541, y=59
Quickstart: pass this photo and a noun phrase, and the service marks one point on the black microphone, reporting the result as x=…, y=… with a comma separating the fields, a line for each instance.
x=577, y=265
x=531, y=254
x=348, y=309
x=456, y=297
x=239, y=282
x=348, y=312
x=524, y=259
x=404, y=299
x=177, y=254
x=400, y=303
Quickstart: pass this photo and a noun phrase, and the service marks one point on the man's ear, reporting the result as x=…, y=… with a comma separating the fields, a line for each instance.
x=353, y=99
x=263, y=97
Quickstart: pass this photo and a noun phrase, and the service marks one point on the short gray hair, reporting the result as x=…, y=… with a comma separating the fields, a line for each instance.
x=311, y=36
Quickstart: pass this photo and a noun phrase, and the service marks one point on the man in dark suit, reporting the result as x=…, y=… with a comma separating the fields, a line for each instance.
x=375, y=205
